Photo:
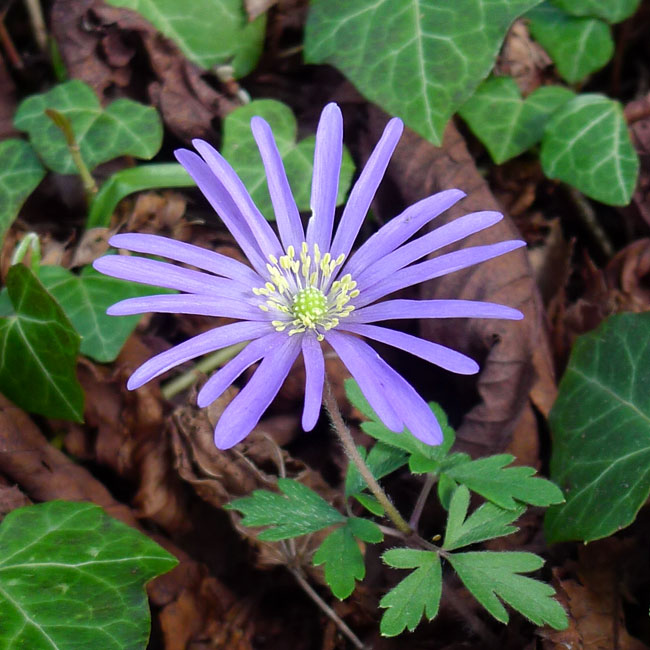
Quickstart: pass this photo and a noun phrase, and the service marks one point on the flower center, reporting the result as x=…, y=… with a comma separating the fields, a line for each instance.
x=303, y=292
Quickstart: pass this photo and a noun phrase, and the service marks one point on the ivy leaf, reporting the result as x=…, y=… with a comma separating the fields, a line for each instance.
x=502, y=485
x=40, y=346
x=208, y=32
x=85, y=298
x=505, y=123
x=601, y=431
x=73, y=577
x=342, y=557
x=578, y=46
x=486, y=522
x=420, y=59
x=123, y=128
x=382, y=460
x=613, y=11
x=240, y=150
x=586, y=144
x=416, y=596
x=494, y=577
x=297, y=511
x=20, y=174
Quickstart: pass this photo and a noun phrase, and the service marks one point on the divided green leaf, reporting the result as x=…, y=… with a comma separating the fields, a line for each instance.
x=39, y=350
x=504, y=122
x=342, y=557
x=20, y=174
x=505, y=486
x=73, y=577
x=297, y=511
x=578, y=46
x=208, y=32
x=613, y=11
x=586, y=144
x=601, y=431
x=420, y=59
x=486, y=522
x=416, y=596
x=382, y=460
x=123, y=128
x=494, y=577
x=240, y=150
x=85, y=297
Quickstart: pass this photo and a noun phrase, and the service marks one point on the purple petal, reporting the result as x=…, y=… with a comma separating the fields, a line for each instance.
x=197, y=346
x=364, y=365
x=266, y=238
x=396, y=309
x=246, y=409
x=325, y=180
x=434, y=353
x=169, y=276
x=202, y=258
x=399, y=229
x=365, y=188
x=448, y=234
x=188, y=304
x=434, y=268
x=314, y=379
x=214, y=191
x=253, y=352
x=284, y=205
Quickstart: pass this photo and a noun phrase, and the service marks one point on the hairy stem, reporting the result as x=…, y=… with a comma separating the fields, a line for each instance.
x=341, y=429
x=422, y=498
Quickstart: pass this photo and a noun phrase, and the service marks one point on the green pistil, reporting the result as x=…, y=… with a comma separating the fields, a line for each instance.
x=309, y=305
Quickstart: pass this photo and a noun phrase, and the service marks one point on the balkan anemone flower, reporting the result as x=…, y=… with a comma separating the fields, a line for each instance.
x=302, y=288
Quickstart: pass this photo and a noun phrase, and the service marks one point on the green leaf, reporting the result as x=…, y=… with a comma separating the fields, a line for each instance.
x=493, y=576
x=381, y=460
x=419, y=59
x=505, y=123
x=586, y=144
x=20, y=174
x=240, y=150
x=487, y=477
x=416, y=596
x=85, y=298
x=39, y=351
x=486, y=522
x=342, y=557
x=128, y=181
x=73, y=577
x=578, y=46
x=208, y=32
x=601, y=431
x=613, y=11
x=123, y=128
x=298, y=511
x=370, y=503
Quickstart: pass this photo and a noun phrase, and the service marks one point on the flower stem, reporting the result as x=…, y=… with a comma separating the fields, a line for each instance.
x=329, y=401
x=422, y=498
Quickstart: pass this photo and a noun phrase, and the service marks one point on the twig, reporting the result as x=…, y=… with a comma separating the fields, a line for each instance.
x=329, y=401
x=422, y=498
x=587, y=215
x=8, y=44
x=38, y=23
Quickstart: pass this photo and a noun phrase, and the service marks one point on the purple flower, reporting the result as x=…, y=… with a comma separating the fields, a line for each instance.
x=303, y=288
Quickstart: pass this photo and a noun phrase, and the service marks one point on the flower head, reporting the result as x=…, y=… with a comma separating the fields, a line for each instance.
x=302, y=288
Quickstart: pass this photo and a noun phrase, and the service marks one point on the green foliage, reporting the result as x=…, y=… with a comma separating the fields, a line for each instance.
x=130, y=180
x=578, y=46
x=84, y=298
x=420, y=59
x=297, y=511
x=241, y=151
x=504, y=122
x=494, y=577
x=613, y=11
x=73, y=577
x=601, y=431
x=416, y=595
x=342, y=557
x=208, y=32
x=39, y=350
x=123, y=128
x=20, y=173
x=587, y=145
